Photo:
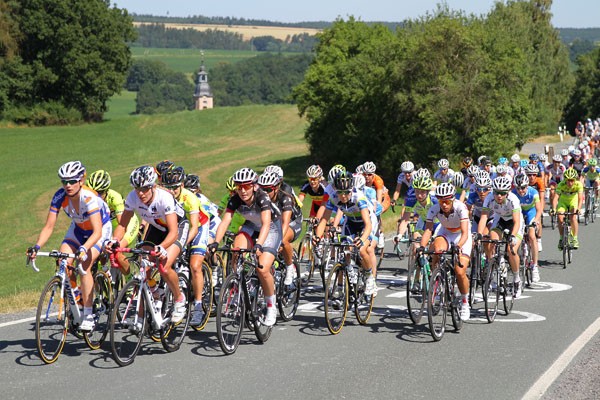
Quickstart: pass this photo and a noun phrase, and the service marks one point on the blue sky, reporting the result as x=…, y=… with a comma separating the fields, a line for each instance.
x=567, y=13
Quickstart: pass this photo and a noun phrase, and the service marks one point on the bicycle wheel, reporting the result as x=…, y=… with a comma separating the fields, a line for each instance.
x=587, y=208
x=565, y=250
x=128, y=323
x=102, y=303
x=207, y=295
x=173, y=333
x=288, y=296
x=553, y=220
x=336, y=299
x=474, y=275
x=380, y=254
x=416, y=291
x=363, y=304
x=437, y=304
x=230, y=315
x=491, y=295
x=508, y=290
x=455, y=300
x=259, y=309
x=306, y=260
x=51, y=321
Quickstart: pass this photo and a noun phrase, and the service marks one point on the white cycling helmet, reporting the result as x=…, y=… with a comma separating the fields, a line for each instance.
x=369, y=167
x=501, y=169
x=334, y=171
x=472, y=170
x=581, y=146
x=571, y=148
x=458, y=179
x=483, y=181
x=143, y=176
x=359, y=181
x=445, y=189
x=515, y=158
x=274, y=168
x=543, y=157
x=564, y=152
x=314, y=171
x=407, y=167
x=244, y=175
x=269, y=179
x=71, y=170
x=502, y=184
x=531, y=169
x=521, y=181
x=556, y=158
x=443, y=163
x=359, y=169
x=422, y=172
x=577, y=152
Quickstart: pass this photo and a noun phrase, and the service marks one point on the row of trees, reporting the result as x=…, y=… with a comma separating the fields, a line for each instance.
x=583, y=102
x=201, y=19
x=61, y=60
x=445, y=85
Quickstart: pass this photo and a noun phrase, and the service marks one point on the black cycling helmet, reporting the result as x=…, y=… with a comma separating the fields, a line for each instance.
x=343, y=181
x=192, y=182
x=164, y=166
x=173, y=176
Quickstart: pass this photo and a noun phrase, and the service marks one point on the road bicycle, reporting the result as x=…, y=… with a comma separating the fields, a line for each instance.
x=526, y=257
x=136, y=310
x=306, y=252
x=590, y=205
x=241, y=302
x=567, y=238
x=478, y=272
x=443, y=295
x=182, y=266
x=417, y=287
x=288, y=296
x=58, y=311
x=406, y=241
x=497, y=284
x=345, y=288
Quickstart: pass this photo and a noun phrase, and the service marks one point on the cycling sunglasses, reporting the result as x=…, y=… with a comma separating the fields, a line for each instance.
x=69, y=181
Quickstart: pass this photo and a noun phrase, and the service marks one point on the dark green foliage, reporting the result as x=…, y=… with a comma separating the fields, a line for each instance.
x=157, y=35
x=583, y=102
x=264, y=79
x=146, y=71
x=71, y=52
x=579, y=47
x=446, y=85
x=173, y=93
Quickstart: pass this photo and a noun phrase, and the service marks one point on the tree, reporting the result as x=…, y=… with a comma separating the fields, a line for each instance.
x=583, y=102
x=77, y=51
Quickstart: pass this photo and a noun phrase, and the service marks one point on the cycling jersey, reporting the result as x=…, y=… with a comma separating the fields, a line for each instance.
x=407, y=192
x=528, y=202
x=352, y=209
x=89, y=204
x=556, y=172
x=116, y=205
x=318, y=196
x=502, y=210
x=372, y=196
x=440, y=177
x=191, y=205
x=421, y=210
x=212, y=211
x=591, y=176
x=577, y=165
x=163, y=203
x=252, y=212
x=568, y=193
x=476, y=203
x=450, y=224
x=236, y=219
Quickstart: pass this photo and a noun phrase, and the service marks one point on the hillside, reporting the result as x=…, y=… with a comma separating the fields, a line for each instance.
x=212, y=143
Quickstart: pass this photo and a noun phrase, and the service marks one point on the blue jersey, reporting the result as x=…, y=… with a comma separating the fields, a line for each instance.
x=529, y=199
x=371, y=194
x=475, y=201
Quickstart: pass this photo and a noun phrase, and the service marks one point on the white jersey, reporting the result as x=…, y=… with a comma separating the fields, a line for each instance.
x=452, y=221
x=163, y=203
x=439, y=178
x=502, y=210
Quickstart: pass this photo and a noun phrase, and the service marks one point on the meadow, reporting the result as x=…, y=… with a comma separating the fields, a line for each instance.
x=212, y=143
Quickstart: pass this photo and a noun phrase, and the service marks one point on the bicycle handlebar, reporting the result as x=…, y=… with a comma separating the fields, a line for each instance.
x=151, y=253
x=53, y=254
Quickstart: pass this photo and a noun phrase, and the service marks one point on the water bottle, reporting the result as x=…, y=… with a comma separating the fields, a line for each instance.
x=352, y=275
x=525, y=251
x=482, y=263
x=154, y=288
x=502, y=267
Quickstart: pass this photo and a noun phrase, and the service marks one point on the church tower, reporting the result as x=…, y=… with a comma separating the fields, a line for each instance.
x=203, y=95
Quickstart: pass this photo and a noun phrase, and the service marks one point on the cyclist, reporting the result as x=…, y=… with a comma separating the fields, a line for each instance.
x=454, y=230
x=291, y=219
x=90, y=226
x=425, y=201
x=565, y=159
x=100, y=181
x=371, y=194
x=198, y=235
x=466, y=163
x=577, y=162
x=531, y=207
x=458, y=180
x=167, y=227
x=404, y=189
x=164, y=166
x=444, y=173
x=554, y=174
x=505, y=208
x=360, y=222
x=482, y=187
x=568, y=197
x=236, y=220
x=192, y=183
x=383, y=196
x=591, y=175
x=315, y=188
x=537, y=182
x=261, y=231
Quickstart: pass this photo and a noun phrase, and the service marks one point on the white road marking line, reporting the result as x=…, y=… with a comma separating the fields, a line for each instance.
x=543, y=383
x=18, y=321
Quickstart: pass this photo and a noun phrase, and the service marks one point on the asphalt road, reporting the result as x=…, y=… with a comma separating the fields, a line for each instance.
x=388, y=358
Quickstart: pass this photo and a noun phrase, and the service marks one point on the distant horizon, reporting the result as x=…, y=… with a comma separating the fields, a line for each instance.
x=310, y=21
x=578, y=14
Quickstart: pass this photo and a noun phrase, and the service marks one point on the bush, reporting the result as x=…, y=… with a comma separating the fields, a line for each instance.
x=47, y=113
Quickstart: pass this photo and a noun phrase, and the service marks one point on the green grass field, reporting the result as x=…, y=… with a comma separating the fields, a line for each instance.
x=212, y=143
x=188, y=60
